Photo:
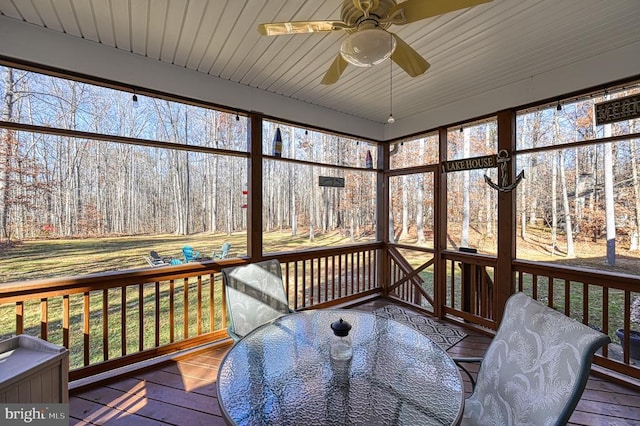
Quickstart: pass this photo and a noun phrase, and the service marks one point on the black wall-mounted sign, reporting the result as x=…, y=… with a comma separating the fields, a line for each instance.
x=615, y=110
x=335, y=182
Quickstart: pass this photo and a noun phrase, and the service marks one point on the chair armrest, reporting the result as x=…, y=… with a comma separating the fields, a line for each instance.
x=467, y=360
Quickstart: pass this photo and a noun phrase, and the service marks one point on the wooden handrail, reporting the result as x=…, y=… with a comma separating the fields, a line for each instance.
x=154, y=308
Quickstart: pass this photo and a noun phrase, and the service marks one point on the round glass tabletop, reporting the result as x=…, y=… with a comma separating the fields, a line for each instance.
x=282, y=373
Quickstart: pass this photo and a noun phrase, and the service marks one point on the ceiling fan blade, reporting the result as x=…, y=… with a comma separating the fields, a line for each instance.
x=415, y=10
x=408, y=59
x=335, y=70
x=300, y=27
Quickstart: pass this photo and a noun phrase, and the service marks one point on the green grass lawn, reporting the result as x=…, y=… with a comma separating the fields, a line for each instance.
x=34, y=259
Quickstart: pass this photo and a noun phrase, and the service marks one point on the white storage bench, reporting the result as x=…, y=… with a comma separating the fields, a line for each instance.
x=33, y=370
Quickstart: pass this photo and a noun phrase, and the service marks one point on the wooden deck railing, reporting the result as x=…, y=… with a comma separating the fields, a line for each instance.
x=114, y=319
x=320, y=277
x=601, y=300
x=598, y=299
x=469, y=288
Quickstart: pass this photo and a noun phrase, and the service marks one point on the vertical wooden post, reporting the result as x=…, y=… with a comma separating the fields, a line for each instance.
x=382, y=228
x=440, y=240
x=506, y=216
x=44, y=318
x=254, y=198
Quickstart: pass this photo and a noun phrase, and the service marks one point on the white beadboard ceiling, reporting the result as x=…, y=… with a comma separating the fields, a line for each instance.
x=471, y=51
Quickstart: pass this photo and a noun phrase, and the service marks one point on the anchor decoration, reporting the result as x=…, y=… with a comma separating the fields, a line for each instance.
x=502, y=158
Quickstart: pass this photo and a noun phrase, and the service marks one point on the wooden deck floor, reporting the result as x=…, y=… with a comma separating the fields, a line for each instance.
x=183, y=393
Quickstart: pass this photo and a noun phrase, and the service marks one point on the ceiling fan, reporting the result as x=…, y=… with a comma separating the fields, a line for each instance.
x=369, y=43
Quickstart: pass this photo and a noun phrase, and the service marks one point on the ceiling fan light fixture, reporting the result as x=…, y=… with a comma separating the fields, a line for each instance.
x=368, y=47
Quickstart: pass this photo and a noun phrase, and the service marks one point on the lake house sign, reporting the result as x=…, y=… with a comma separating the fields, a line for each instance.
x=469, y=164
x=486, y=162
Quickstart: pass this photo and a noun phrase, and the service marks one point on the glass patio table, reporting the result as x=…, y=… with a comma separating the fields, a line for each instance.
x=281, y=374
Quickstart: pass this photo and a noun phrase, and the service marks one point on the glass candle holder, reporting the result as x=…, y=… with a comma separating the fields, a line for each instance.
x=341, y=348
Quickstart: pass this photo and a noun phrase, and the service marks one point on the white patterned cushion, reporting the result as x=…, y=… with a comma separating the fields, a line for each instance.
x=535, y=369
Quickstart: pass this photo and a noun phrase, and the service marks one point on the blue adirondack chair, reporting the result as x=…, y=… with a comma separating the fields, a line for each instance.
x=223, y=253
x=189, y=254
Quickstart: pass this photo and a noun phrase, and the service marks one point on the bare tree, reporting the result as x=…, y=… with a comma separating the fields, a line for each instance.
x=466, y=185
x=420, y=199
x=8, y=142
x=635, y=240
x=610, y=219
x=566, y=206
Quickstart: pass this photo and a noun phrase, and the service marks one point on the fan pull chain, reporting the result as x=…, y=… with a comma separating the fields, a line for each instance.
x=391, y=120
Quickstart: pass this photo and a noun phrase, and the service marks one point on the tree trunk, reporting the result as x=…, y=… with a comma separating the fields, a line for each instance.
x=405, y=208
x=554, y=188
x=554, y=204
x=609, y=199
x=466, y=183
x=566, y=206
x=420, y=199
x=6, y=139
x=635, y=240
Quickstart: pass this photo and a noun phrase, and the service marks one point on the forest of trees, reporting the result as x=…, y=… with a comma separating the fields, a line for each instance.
x=584, y=192
x=54, y=185
x=574, y=191
x=162, y=166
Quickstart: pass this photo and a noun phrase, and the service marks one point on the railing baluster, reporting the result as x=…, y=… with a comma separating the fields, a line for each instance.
x=567, y=298
x=105, y=324
x=452, y=284
x=85, y=328
x=185, y=308
x=287, y=267
x=295, y=284
x=605, y=318
x=19, y=317
x=340, y=275
x=199, y=310
x=171, y=312
x=212, y=312
x=140, y=317
x=44, y=319
x=65, y=320
x=626, y=339
x=157, y=313
x=333, y=277
x=311, y=283
x=223, y=302
x=520, y=280
x=123, y=320
x=585, y=303
x=320, y=281
x=326, y=278
x=358, y=271
x=352, y=275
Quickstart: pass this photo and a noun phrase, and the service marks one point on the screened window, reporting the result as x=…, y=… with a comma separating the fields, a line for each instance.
x=415, y=152
x=299, y=213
